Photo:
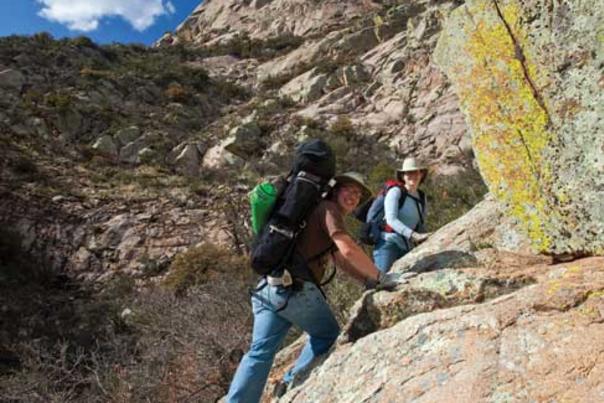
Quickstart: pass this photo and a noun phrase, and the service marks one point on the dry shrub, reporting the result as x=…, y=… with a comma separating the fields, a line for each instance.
x=189, y=345
x=63, y=342
x=89, y=72
x=170, y=349
x=342, y=127
x=205, y=263
x=177, y=93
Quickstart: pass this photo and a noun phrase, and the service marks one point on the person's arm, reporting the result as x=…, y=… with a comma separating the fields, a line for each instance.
x=351, y=258
x=391, y=208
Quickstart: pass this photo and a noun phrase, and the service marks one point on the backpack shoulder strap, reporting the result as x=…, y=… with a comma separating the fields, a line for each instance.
x=421, y=211
x=391, y=183
x=401, y=200
x=422, y=199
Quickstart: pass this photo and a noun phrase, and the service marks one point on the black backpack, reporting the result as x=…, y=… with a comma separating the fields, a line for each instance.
x=371, y=213
x=308, y=182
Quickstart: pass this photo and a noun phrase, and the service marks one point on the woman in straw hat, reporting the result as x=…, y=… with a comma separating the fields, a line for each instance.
x=404, y=213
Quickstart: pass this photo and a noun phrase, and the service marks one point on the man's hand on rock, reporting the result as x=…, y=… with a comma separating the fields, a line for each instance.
x=389, y=281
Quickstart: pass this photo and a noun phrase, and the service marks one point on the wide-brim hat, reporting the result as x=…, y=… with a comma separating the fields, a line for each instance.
x=412, y=164
x=356, y=178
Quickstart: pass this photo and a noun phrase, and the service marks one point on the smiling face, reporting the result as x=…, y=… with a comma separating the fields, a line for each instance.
x=348, y=197
x=412, y=180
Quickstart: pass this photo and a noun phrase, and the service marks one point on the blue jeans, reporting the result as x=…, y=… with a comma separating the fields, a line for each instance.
x=275, y=310
x=388, y=250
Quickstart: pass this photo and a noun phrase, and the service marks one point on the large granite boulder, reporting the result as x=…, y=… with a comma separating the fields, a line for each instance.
x=457, y=325
x=529, y=79
x=541, y=343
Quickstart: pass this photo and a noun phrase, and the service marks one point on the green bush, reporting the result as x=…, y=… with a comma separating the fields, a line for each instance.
x=379, y=174
x=60, y=100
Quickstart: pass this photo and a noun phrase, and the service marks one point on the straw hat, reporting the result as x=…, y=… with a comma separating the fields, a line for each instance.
x=356, y=178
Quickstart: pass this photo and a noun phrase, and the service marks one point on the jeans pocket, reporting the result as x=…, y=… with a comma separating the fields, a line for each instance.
x=274, y=298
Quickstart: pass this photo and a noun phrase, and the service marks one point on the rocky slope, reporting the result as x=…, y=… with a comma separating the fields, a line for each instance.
x=368, y=61
x=541, y=343
x=116, y=159
x=121, y=149
x=99, y=150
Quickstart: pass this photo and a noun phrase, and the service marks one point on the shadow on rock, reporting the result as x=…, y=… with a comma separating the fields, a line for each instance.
x=450, y=259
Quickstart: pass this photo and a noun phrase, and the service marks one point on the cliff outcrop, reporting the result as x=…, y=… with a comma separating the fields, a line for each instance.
x=530, y=84
x=369, y=61
x=479, y=318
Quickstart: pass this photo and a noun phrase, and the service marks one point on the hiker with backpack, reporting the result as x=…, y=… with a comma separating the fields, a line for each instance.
x=402, y=225
x=289, y=293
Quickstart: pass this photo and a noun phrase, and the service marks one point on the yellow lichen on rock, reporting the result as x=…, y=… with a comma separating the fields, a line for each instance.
x=510, y=125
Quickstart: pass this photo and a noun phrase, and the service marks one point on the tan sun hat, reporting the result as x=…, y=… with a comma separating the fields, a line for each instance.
x=412, y=164
x=357, y=179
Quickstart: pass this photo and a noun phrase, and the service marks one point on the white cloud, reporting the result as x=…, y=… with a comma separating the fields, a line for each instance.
x=84, y=15
x=170, y=7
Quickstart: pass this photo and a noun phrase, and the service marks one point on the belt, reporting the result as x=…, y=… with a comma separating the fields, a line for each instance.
x=285, y=279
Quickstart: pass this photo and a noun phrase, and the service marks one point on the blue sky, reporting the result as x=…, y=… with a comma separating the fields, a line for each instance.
x=104, y=21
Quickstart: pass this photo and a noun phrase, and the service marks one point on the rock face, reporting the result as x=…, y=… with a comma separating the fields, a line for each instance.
x=11, y=79
x=541, y=343
x=530, y=81
x=306, y=87
x=482, y=320
x=217, y=20
x=368, y=61
x=94, y=240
